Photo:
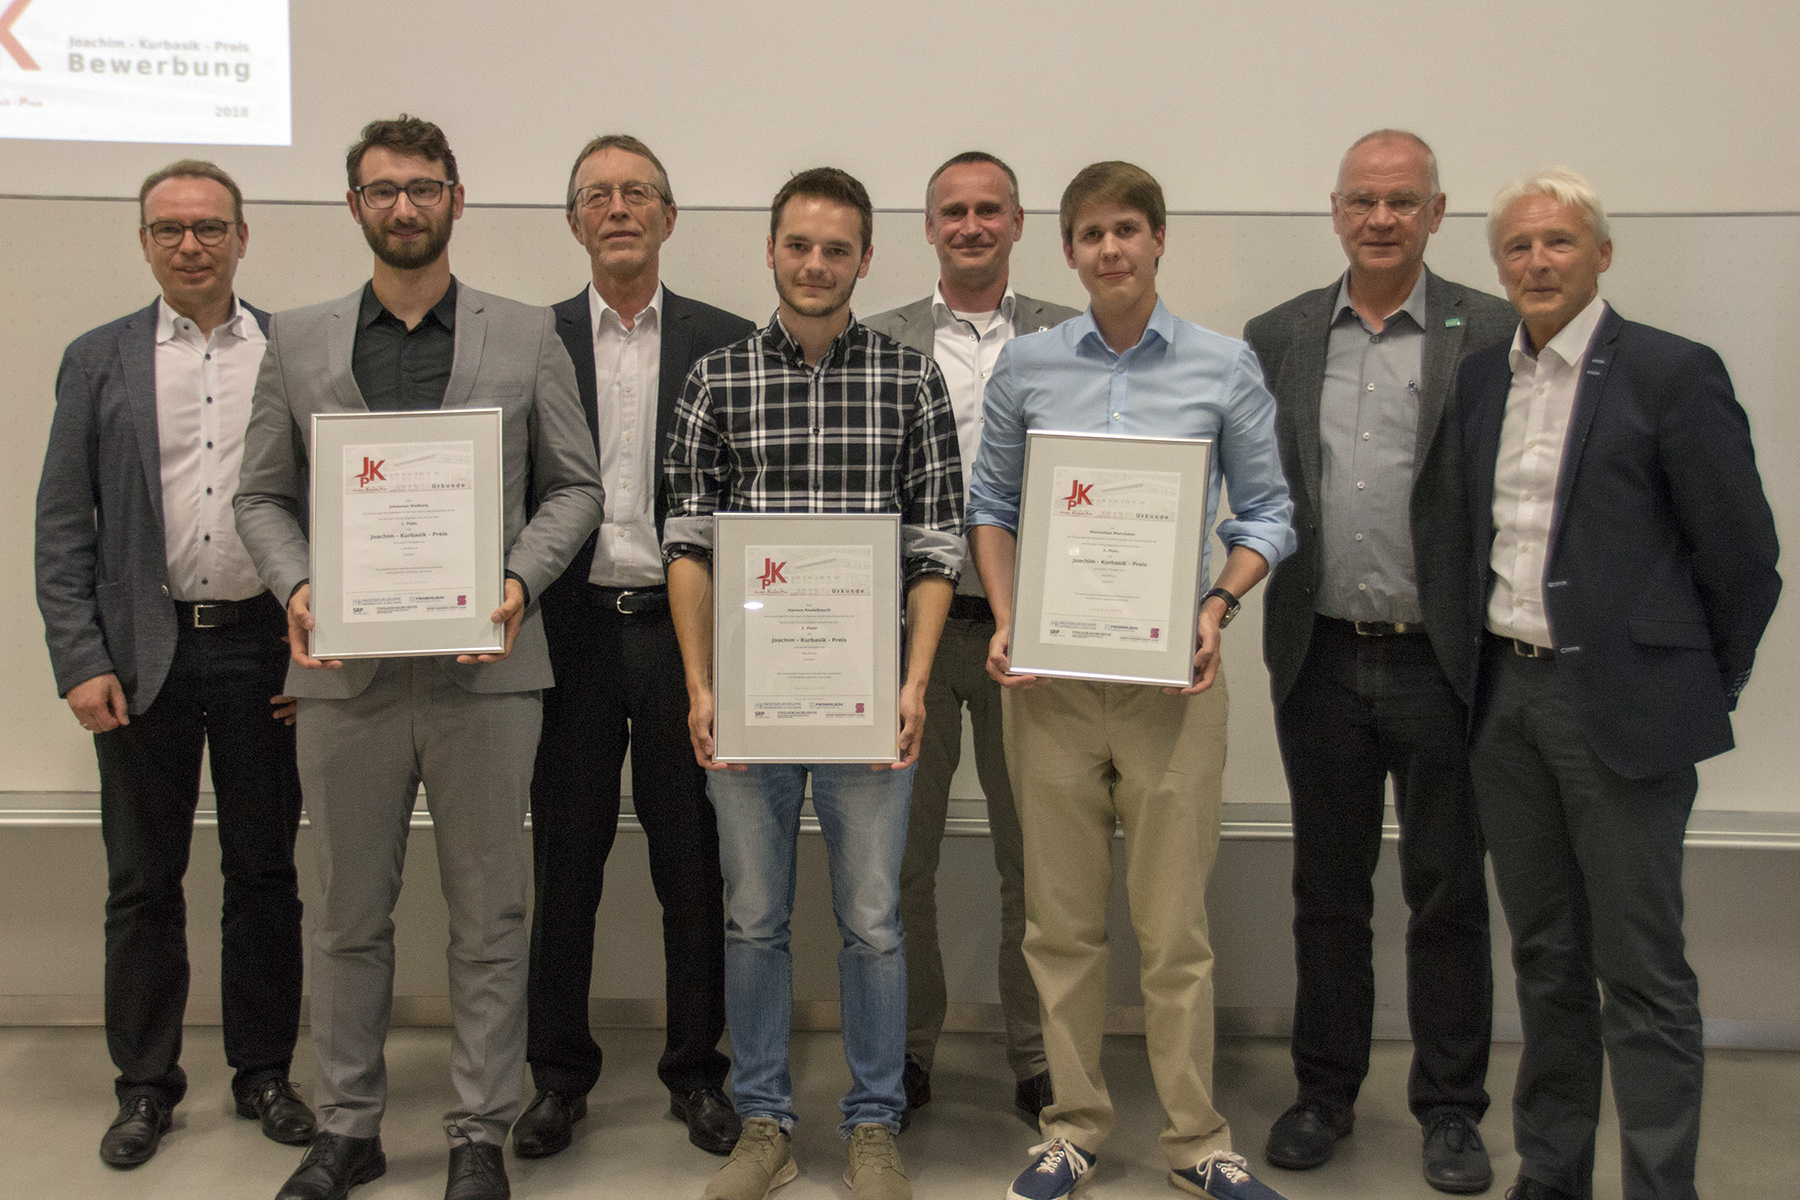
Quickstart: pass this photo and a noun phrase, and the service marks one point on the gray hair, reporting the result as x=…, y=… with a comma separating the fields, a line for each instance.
x=1560, y=183
x=1394, y=135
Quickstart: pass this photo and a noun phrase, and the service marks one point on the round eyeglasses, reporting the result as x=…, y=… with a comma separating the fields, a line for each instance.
x=169, y=234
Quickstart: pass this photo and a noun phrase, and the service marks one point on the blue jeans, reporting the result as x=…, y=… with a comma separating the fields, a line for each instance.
x=863, y=816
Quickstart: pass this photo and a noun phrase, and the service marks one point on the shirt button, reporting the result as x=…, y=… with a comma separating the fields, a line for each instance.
x=1359, y=537
x=209, y=399
x=1118, y=417
x=209, y=445
x=1360, y=485
x=206, y=537
x=1362, y=587
x=1375, y=337
x=209, y=491
x=1365, y=436
x=1371, y=387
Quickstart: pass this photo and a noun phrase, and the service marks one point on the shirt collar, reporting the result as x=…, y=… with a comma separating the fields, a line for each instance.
x=598, y=308
x=1414, y=306
x=444, y=311
x=778, y=340
x=233, y=325
x=942, y=313
x=1570, y=344
x=1162, y=324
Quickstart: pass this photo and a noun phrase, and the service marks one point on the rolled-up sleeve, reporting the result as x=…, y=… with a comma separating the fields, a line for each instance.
x=694, y=471
x=999, y=471
x=932, y=507
x=1262, y=510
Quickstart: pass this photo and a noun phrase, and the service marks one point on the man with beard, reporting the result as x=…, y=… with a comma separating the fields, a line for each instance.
x=815, y=413
x=972, y=219
x=370, y=731
x=619, y=676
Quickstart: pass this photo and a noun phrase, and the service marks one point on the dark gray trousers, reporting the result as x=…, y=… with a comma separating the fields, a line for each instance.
x=1589, y=869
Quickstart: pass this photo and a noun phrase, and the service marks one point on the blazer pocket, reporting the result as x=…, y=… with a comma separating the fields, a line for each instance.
x=1660, y=631
x=495, y=397
x=118, y=625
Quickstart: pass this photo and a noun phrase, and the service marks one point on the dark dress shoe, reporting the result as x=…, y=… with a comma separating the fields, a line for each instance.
x=1531, y=1189
x=333, y=1165
x=132, y=1137
x=284, y=1116
x=1455, y=1159
x=712, y=1122
x=1032, y=1096
x=1305, y=1135
x=477, y=1172
x=915, y=1080
x=548, y=1124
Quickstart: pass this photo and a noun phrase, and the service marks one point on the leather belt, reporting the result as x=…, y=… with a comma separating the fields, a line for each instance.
x=1523, y=649
x=1381, y=628
x=971, y=608
x=217, y=614
x=630, y=602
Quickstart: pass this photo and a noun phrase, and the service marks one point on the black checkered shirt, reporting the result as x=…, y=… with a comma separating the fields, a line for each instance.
x=869, y=430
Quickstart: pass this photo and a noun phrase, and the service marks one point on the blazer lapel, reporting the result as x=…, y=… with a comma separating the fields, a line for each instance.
x=1588, y=392
x=471, y=334
x=1443, y=342
x=575, y=326
x=137, y=354
x=340, y=352
x=672, y=364
x=1305, y=367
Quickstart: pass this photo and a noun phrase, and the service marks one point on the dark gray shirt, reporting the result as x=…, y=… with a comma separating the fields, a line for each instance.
x=397, y=368
x=1368, y=444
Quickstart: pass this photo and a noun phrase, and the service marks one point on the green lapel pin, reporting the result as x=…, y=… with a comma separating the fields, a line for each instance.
x=1452, y=322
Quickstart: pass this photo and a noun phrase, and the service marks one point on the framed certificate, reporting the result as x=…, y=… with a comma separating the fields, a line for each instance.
x=1107, y=582
x=806, y=640
x=406, y=533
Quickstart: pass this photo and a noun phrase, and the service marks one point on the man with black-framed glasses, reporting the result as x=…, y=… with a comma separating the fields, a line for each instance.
x=1367, y=643
x=371, y=731
x=165, y=642
x=619, y=675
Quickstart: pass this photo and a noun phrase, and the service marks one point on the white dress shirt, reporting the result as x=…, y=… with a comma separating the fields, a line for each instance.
x=966, y=346
x=1532, y=435
x=203, y=390
x=627, y=373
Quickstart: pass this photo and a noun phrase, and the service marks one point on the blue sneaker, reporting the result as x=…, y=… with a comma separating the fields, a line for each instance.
x=1059, y=1165
x=1222, y=1176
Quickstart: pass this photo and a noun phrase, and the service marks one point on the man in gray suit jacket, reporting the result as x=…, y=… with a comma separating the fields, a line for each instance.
x=1366, y=637
x=164, y=642
x=972, y=219
x=370, y=731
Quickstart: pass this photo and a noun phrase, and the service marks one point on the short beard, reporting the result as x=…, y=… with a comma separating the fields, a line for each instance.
x=792, y=301
x=409, y=257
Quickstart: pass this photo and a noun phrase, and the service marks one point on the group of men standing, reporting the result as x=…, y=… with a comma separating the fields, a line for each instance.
x=1541, y=542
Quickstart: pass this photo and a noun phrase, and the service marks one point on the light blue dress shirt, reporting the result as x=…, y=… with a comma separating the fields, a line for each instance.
x=1179, y=381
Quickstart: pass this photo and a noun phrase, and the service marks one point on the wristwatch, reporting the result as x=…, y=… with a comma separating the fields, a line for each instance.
x=1231, y=604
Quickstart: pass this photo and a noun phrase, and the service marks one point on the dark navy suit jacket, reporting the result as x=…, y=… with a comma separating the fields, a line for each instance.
x=690, y=331
x=1660, y=573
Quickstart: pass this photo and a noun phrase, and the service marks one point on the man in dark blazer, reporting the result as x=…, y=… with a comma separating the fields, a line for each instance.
x=1365, y=635
x=164, y=641
x=972, y=218
x=619, y=680
x=1623, y=574
x=371, y=730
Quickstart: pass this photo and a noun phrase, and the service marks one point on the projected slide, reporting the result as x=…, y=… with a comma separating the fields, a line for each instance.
x=208, y=71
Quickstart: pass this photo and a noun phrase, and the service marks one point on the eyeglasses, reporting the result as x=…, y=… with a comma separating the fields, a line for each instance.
x=169, y=234
x=637, y=195
x=1404, y=204
x=424, y=193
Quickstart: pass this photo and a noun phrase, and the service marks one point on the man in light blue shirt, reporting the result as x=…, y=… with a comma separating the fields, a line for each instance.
x=1086, y=754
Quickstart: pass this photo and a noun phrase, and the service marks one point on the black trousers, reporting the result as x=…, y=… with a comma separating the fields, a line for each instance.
x=216, y=695
x=1588, y=865
x=620, y=685
x=1362, y=709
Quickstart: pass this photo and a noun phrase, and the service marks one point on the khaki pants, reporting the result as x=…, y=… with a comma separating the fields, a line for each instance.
x=1084, y=755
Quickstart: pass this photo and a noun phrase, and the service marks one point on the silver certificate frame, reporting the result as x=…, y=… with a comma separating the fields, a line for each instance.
x=806, y=637
x=407, y=551
x=1107, y=578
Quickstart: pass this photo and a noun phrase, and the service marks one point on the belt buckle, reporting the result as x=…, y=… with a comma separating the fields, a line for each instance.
x=619, y=603
x=1526, y=649
x=200, y=607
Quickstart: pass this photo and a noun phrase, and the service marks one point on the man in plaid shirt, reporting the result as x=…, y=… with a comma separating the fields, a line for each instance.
x=815, y=414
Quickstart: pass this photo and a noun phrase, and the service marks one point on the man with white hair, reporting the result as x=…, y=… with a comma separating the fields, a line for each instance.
x=1624, y=571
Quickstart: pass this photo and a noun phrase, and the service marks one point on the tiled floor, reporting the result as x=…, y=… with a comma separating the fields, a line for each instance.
x=55, y=1102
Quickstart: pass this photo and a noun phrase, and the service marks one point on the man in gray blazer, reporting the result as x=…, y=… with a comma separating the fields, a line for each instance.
x=1365, y=632
x=164, y=641
x=972, y=219
x=370, y=731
